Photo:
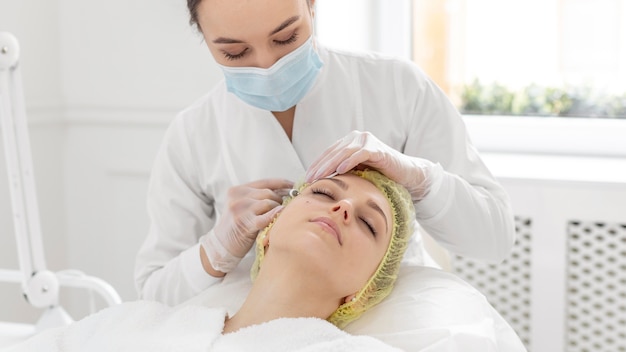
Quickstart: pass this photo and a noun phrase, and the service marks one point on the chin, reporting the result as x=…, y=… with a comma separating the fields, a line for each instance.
x=313, y=247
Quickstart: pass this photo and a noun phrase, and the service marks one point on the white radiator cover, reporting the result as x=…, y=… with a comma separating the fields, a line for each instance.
x=563, y=288
x=596, y=286
x=507, y=285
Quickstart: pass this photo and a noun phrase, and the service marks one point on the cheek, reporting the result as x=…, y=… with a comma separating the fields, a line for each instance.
x=363, y=262
x=282, y=225
x=289, y=219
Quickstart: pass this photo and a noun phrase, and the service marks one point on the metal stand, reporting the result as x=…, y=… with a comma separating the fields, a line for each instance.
x=39, y=285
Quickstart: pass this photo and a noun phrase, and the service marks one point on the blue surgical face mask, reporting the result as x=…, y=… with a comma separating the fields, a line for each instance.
x=279, y=87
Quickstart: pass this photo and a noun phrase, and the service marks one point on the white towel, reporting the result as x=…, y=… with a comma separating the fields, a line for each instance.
x=297, y=334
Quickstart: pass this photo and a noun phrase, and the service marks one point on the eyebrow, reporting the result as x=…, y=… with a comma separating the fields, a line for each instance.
x=222, y=40
x=370, y=202
x=375, y=206
x=288, y=22
x=285, y=24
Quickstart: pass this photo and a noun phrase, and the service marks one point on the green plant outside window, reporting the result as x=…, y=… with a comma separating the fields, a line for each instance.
x=535, y=100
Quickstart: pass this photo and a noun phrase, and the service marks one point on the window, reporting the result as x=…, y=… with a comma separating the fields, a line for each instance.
x=500, y=46
x=531, y=57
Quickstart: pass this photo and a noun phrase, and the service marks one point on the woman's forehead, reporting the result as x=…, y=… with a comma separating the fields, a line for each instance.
x=239, y=17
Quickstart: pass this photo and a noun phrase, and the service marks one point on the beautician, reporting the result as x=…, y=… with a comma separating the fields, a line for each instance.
x=287, y=109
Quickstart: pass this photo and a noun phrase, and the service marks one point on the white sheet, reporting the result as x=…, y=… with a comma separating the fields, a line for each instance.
x=134, y=326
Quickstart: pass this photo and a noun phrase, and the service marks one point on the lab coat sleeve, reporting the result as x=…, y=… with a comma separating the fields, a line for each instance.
x=466, y=210
x=168, y=266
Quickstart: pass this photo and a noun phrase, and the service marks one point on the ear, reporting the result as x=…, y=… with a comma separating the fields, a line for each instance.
x=266, y=239
x=350, y=298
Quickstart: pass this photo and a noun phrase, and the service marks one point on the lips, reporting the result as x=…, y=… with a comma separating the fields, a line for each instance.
x=330, y=226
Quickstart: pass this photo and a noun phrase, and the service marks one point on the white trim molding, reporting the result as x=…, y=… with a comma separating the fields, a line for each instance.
x=549, y=135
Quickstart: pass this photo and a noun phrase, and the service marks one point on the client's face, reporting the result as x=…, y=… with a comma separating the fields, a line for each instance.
x=340, y=226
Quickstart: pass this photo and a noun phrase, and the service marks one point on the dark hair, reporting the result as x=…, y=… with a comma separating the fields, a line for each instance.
x=192, y=5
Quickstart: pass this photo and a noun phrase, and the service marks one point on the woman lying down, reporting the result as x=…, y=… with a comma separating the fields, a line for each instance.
x=332, y=253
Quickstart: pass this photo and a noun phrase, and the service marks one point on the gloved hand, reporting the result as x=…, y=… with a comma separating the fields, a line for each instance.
x=363, y=150
x=249, y=209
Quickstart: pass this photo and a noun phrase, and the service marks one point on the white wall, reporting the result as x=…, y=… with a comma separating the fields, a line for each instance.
x=375, y=25
x=126, y=72
x=102, y=80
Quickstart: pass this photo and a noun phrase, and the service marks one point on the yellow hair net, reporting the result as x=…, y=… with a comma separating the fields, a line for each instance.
x=381, y=282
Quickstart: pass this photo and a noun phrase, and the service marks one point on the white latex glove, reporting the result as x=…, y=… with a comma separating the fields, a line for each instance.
x=250, y=208
x=363, y=150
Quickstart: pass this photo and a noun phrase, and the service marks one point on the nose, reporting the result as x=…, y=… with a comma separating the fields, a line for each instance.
x=266, y=58
x=344, y=209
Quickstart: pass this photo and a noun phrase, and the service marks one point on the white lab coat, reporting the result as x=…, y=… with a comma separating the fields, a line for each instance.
x=220, y=141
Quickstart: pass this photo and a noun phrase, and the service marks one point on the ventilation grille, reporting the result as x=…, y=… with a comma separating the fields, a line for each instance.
x=506, y=285
x=596, y=286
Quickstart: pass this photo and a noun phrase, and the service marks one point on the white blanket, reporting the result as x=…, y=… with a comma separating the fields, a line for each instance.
x=150, y=326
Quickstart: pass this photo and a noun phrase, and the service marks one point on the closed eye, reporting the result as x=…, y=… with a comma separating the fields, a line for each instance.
x=288, y=41
x=369, y=226
x=324, y=192
x=230, y=56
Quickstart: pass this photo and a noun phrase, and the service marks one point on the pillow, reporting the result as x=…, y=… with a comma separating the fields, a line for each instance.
x=428, y=310
x=433, y=310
